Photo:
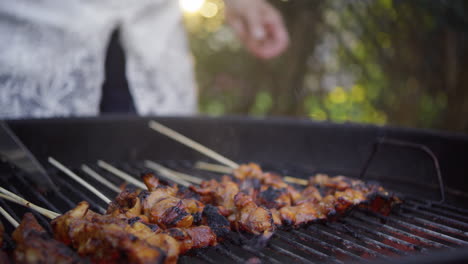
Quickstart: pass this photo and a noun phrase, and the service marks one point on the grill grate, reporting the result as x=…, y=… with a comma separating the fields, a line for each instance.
x=419, y=226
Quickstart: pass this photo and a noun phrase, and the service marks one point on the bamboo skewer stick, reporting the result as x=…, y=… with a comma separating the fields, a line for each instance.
x=208, y=152
x=8, y=217
x=7, y=195
x=192, y=144
x=166, y=173
x=100, y=179
x=47, y=213
x=130, y=179
x=159, y=168
x=78, y=179
x=121, y=174
x=213, y=167
x=296, y=180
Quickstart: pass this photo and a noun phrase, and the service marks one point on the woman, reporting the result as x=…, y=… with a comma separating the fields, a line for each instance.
x=52, y=53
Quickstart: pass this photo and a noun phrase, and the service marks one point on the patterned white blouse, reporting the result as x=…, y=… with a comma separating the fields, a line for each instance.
x=52, y=56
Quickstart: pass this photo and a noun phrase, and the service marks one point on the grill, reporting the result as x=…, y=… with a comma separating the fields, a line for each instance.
x=421, y=230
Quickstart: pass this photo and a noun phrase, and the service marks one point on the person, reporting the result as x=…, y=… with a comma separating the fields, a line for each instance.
x=52, y=53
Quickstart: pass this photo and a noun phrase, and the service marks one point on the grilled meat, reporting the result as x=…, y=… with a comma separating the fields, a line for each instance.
x=217, y=222
x=268, y=189
x=349, y=192
x=158, y=224
x=3, y=256
x=324, y=197
x=194, y=237
x=126, y=204
x=106, y=239
x=219, y=193
x=240, y=208
x=271, y=197
x=162, y=206
x=33, y=245
x=253, y=171
x=252, y=218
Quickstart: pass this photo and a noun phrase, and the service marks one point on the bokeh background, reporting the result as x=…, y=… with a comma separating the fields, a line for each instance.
x=400, y=62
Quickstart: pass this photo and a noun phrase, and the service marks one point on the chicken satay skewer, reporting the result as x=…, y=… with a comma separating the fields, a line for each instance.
x=8, y=217
x=247, y=208
x=204, y=150
x=34, y=245
x=191, y=143
x=204, y=236
x=115, y=246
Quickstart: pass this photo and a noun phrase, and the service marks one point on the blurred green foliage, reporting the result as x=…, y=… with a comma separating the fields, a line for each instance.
x=401, y=62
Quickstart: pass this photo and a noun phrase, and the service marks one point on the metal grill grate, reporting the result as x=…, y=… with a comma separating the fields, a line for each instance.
x=419, y=226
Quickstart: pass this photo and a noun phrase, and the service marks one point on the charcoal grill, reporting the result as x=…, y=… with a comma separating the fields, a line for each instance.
x=422, y=230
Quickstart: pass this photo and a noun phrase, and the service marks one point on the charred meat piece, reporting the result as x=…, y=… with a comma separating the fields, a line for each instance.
x=151, y=233
x=3, y=256
x=126, y=204
x=33, y=245
x=162, y=206
x=219, y=193
x=217, y=222
x=273, y=197
x=349, y=192
x=151, y=182
x=173, y=240
x=298, y=215
x=194, y=237
x=310, y=193
x=267, y=188
x=252, y=218
x=166, y=210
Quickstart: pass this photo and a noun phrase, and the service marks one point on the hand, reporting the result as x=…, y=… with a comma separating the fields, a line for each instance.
x=259, y=26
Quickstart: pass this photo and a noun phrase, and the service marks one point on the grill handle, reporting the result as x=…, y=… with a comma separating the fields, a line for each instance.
x=406, y=144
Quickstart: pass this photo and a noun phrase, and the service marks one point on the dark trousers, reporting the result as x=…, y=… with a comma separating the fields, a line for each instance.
x=116, y=97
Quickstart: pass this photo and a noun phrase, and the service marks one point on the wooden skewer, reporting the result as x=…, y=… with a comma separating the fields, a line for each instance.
x=158, y=167
x=78, y=179
x=7, y=195
x=192, y=144
x=296, y=180
x=168, y=174
x=100, y=179
x=208, y=152
x=8, y=217
x=213, y=167
x=223, y=169
x=121, y=174
x=130, y=179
